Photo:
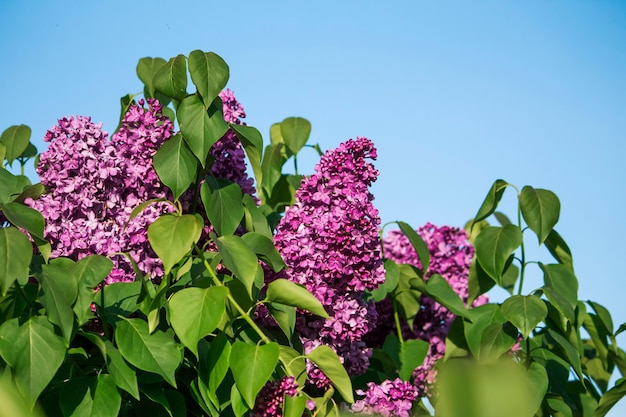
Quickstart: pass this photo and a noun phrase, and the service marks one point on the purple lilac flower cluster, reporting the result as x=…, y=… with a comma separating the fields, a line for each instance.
x=269, y=402
x=229, y=156
x=389, y=399
x=93, y=184
x=329, y=241
x=450, y=256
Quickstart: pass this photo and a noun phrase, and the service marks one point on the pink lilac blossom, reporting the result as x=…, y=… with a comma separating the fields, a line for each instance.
x=450, y=256
x=93, y=184
x=329, y=241
x=228, y=153
x=269, y=402
x=389, y=399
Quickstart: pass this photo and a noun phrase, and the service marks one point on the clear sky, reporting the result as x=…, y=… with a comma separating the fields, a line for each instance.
x=455, y=94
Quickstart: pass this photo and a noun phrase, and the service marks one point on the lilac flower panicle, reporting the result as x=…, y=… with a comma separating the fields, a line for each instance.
x=329, y=241
x=93, y=184
x=229, y=156
x=269, y=402
x=389, y=399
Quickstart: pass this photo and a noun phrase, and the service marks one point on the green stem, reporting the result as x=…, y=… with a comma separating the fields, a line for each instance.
x=235, y=304
x=295, y=164
x=103, y=314
x=396, y=317
x=241, y=311
x=523, y=253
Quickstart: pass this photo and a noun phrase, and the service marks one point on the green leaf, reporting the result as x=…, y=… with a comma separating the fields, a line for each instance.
x=562, y=280
x=252, y=366
x=328, y=362
x=90, y=397
x=439, y=289
x=239, y=259
x=289, y=293
x=273, y=161
x=479, y=282
x=559, y=249
x=200, y=127
x=3, y=152
x=123, y=376
x=505, y=388
x=264, y=247
x=252, y=142
x=285, y=317
x=494, y=245
x=16, y=140
x=171, y=78
x=196, y=312
x=175, y=165
x=147, y=69
x=209, y=73
x=610, y=398
x=604, y=315
x=32, y=191
x=412, y=354
x=489, y=336
x=540, y=209
x=16, y=253
x=59, y=288
x=172, y=237
x=294, y=405
x=217, y=364
x=223, y=203
x=118, y=299
x=89, y=272
x=524, y=312
x=571, y=354
x=296, y=361
x=509, y=276
x=421, y=248
x=491, y=201
x=560, y=303
x=125, y=103
x=156, y=352
x=11, y=186
x=39, y=354
x=295, y=132
x=237, y=403
x=392, y=278
x=25, y=217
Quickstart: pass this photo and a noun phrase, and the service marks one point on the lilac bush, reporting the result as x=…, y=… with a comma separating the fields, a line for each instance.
x=251, y=312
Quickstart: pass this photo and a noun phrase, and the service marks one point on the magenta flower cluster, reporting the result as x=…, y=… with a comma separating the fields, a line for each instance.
x=269, y=401
x=450, y=256
x=329, y=241
x=229, y=156
x=93, y=184
x=389, y=399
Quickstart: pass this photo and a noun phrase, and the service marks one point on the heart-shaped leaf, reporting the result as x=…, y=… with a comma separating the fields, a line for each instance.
x=252, y=367
x=541, y=209
x=157, y=352
x=175, y=165
x=494, y=245
x=209, y=73
x=172, y=237
x=524, y=312
x=196, y=312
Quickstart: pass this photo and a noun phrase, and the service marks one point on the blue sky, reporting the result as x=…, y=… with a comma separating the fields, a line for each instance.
x=454, y=94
